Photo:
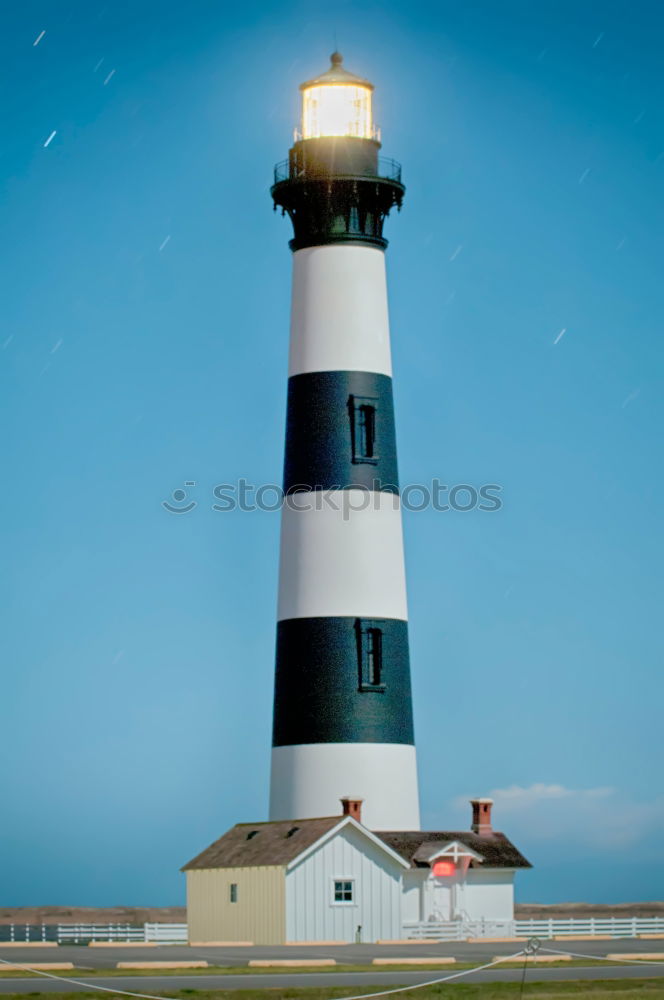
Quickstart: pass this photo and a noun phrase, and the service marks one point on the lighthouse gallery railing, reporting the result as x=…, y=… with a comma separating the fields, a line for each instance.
x=388, y=169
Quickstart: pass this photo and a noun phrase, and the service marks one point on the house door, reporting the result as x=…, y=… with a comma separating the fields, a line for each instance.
x=442, y=899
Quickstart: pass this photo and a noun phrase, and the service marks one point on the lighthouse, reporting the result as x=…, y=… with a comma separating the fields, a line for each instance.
x=343, y=720
x=342, y=857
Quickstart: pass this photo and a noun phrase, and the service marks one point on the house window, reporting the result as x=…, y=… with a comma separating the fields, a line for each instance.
x=362, y=410
x=343, y=891
x=370, y=655
x=233, y=892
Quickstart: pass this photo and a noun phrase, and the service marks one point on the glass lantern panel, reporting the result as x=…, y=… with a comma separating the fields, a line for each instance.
x=336, y=109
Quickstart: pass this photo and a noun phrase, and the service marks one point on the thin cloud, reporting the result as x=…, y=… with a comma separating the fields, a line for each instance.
x=518, y=796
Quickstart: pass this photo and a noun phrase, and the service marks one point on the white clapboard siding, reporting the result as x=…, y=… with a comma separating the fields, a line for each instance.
x=311, y=914
x=487, y=895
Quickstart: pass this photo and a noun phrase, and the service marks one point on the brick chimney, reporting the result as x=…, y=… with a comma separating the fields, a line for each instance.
x=481, y=824
x=352, y=807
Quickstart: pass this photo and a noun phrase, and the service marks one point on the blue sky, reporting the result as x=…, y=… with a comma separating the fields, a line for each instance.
x=144, y=335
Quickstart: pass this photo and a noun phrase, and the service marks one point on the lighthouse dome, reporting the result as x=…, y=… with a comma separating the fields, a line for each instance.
x=336, y=74
x=337, y=103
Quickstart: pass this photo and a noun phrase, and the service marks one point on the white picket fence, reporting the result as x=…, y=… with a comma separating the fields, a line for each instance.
x=453, y=930
x=459, y=930
x=84, y=933
x=27, y=932
x=615, y=926
x=166, y=933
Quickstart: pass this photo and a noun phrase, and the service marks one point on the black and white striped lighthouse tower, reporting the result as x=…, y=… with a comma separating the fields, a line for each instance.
x=343, y=723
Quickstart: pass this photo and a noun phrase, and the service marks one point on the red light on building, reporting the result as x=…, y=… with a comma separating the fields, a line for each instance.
x=444, y=868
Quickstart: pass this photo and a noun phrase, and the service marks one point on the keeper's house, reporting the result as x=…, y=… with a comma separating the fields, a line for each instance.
x=331, y=879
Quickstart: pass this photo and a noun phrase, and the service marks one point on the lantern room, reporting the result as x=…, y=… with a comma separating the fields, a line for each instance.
x=337, y=103
x=334, y=185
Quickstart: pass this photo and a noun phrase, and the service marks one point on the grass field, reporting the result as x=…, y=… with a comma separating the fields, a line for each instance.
x=648, y=989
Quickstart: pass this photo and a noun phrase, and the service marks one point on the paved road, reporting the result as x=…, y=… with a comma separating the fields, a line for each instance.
x=352, y=954
x=364, y=981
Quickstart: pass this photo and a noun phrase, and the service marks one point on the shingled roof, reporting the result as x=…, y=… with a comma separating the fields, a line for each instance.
x=249, y=844
x=495, y=849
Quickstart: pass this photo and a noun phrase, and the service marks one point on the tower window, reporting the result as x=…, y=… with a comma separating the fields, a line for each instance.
x=363, y=411
x=233, y=892
x=343, y=891
x=370, y=655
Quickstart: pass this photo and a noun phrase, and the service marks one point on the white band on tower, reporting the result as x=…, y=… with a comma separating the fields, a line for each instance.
x=309, y=780
x=345, y=561
x=339, y=318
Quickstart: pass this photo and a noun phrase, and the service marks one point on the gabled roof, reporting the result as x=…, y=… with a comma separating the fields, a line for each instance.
x=349, y=821
x=432, y=849
x=248, y=844
x=282, y=842
x=495, y=849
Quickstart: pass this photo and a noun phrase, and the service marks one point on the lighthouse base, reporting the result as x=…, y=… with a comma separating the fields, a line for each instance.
x=310, y=779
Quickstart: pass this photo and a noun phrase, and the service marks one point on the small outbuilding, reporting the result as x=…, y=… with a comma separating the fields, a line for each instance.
x=299, y=880
x=332, y=879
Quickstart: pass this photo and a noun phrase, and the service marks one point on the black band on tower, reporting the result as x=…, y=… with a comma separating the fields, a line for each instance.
x=336, y=189
x=342, y=680
x=340, y=432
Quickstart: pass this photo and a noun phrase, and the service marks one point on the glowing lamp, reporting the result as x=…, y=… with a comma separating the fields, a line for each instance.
x=337, y=103
x=444, y=868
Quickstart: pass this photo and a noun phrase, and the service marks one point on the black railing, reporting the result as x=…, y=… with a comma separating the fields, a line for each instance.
x=388, y=169
x=281, y=172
